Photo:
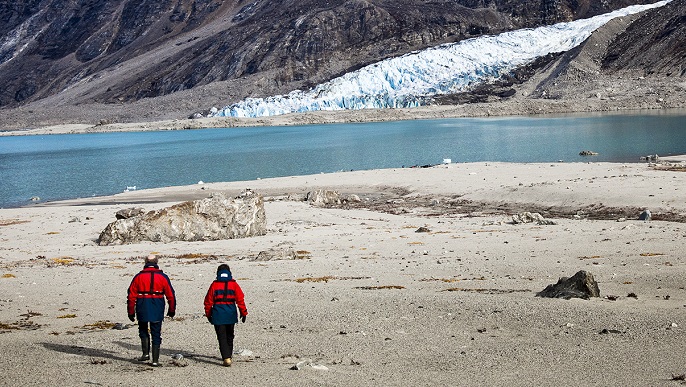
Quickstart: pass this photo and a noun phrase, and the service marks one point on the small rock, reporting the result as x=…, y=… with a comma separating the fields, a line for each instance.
x=127, y=213
x=243, y=352
x=580, y=285
x=645, y=215
x=605, y=331
x=588, y=153
x=308, y=364
x=352, y=198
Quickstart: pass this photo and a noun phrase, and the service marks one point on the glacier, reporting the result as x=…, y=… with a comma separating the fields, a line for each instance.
x=414, y=79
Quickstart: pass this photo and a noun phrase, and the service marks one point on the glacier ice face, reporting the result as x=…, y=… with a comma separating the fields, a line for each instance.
x=413, y=79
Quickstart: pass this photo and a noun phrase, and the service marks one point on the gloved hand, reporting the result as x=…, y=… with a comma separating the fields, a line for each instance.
x=132, y=317
x=243, y=318
x=171, y=314
x=209, y=318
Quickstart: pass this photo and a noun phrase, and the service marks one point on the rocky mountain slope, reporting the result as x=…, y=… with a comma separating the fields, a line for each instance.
x=127, y=60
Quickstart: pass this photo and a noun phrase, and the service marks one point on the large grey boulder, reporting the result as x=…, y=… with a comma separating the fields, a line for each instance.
x=322, y=197
x=214, y=218
x=580, y=285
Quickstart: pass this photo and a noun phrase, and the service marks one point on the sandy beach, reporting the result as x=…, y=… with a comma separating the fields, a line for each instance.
x=370, y=300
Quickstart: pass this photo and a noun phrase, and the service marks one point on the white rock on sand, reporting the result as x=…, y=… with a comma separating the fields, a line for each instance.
x=372, y=301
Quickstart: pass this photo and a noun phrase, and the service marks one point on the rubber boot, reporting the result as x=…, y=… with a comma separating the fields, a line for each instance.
x=155, y=355
x=145, y=346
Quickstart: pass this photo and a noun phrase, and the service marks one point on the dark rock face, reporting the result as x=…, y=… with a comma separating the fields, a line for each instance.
x=155, y=48
x=654, y=44
x=580, y=285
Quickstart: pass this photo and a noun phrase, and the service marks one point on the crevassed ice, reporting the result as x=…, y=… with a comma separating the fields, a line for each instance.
x=412, y=79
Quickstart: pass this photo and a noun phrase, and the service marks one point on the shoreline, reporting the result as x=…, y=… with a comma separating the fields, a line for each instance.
x=428, y=272
x=486, y=110
x=195, y=191
x=155, y=194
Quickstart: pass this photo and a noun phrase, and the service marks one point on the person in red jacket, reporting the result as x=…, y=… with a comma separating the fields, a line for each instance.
x=221, y=301
x=146, y=301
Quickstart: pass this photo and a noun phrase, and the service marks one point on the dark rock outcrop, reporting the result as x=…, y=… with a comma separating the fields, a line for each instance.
x=214, y=218
x=129, y=212
x=654, y=44
x=580, y=285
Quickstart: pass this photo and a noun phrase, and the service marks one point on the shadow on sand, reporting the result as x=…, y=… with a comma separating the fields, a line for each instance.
x=96, y=354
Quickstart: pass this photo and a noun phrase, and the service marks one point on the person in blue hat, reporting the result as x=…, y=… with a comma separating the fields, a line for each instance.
x=224, y=304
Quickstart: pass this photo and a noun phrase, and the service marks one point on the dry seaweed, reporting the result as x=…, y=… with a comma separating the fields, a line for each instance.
x=326, y=278
x=102, y=324
x=482, y=278
x=10, y=222
x=380, y=287
x=486, y=291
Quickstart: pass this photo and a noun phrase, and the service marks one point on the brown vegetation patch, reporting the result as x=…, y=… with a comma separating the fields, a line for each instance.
x=9, y=275
x=326, y=278
x=30, y=314
x=482, y=278
x=102, y=324
x=61, y=261
x=380, y=287
x=651, y=254
x=590, y=257
x=10, y=222
x=26, y=325
x=71, y=315
x=487, y=291
x=4, y=328
x=191, y=256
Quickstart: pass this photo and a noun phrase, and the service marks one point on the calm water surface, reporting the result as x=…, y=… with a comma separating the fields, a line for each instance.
x=56, y=167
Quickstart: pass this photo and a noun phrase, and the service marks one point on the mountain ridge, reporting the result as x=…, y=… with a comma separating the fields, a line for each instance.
x=111, y=85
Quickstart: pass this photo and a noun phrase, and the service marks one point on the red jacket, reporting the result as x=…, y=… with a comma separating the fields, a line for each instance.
x=147, y=292
x=222, y=298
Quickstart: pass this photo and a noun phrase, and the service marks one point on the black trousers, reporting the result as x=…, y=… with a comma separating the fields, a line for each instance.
x=155, y=330
x=225, y=338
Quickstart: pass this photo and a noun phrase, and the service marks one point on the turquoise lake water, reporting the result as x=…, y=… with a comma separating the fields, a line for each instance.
x=55, y=167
